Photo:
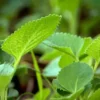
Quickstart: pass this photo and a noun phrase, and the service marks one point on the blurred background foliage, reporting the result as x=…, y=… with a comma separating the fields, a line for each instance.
x=81, y=17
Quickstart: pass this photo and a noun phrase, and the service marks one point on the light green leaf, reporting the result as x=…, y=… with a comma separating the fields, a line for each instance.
x=30, y=35
x=87, y=42
x=64, y=41
x=94, y=49
x=6, y=71
x=66, y=60
x=75, y=76
x=46, y=93
x=54, y=66
x=50, y=55
x=95, y=95
x=88, y=60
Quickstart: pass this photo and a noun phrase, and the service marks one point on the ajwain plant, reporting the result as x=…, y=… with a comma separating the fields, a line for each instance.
x=76, y=59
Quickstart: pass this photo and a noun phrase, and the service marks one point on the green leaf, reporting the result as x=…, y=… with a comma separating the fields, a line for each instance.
x=46, y=93
x=30, y=35
x=95, y=95
x=88, y=60
x=94, y=49
x=6, y=71
x=87, y=42
x=57, y=85
x=64, y=92
x=63, y=41
x=54, y=66
x=66, y=60
x=75, y=76
x=50, y=55
x=75, y=95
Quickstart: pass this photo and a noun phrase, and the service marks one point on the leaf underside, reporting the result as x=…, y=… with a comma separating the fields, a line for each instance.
x=54, y=66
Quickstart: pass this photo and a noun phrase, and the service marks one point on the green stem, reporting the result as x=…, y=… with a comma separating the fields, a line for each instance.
x=38, y=75
x=49, y=83
x=3, y=94
x=16, y=63
x=96, y=65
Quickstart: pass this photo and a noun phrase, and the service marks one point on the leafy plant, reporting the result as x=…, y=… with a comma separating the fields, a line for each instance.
x=74, y=61
x=74, y=81
x=22, y=41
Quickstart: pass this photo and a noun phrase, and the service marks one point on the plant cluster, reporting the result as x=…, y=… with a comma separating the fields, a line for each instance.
x=74, y=60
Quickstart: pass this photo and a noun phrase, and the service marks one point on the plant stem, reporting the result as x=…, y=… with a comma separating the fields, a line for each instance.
x=3, y=94
x=38, y=75
x=49, y=83
x=96, y=65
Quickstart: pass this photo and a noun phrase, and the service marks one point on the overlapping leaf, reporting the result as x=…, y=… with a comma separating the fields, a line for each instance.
x=51, y=55
x=75, y=76
x=66, y=60
x=65, y=42
x=94, y=49
x=30, y=35
x=55, y=68
x=87, y=42
x=62, y=91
